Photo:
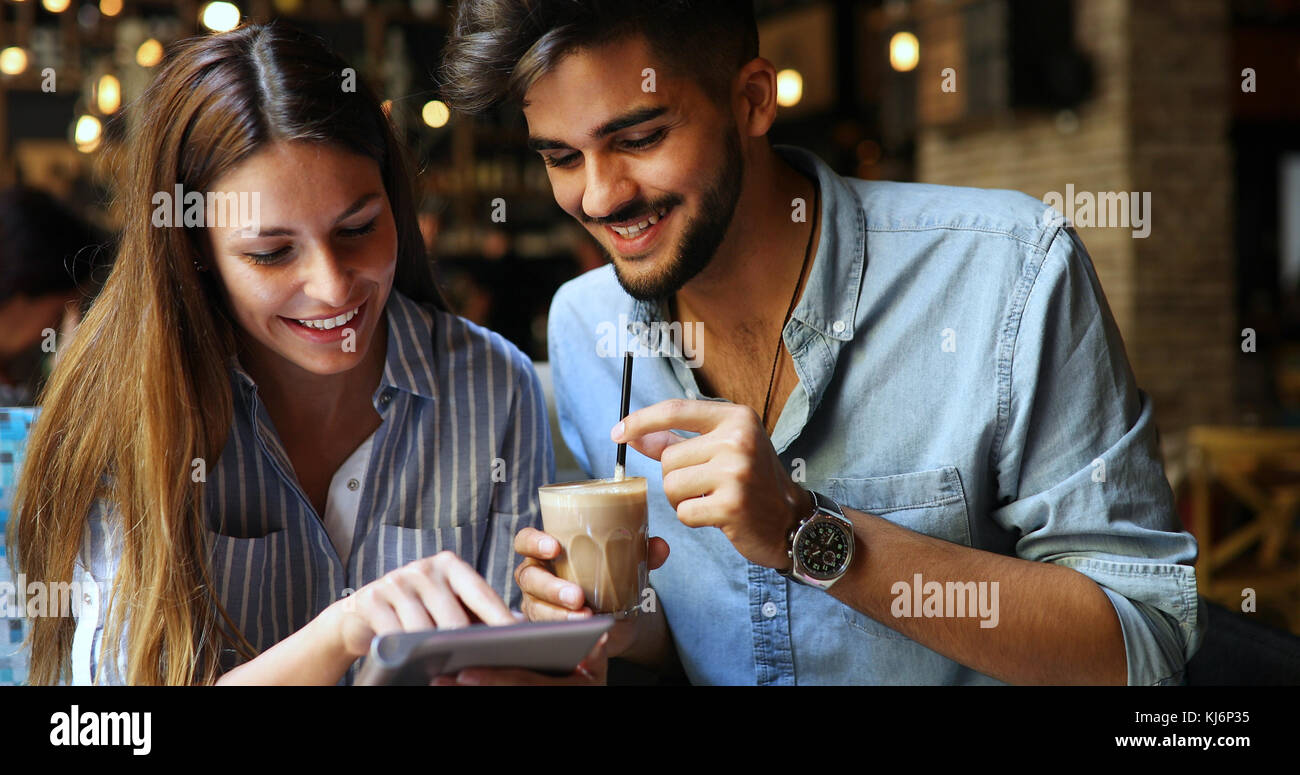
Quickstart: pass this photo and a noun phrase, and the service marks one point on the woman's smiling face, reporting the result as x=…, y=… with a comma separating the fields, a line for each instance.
x=308, y=283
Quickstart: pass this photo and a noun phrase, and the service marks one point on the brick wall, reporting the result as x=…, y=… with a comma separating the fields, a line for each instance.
x=1157, y=121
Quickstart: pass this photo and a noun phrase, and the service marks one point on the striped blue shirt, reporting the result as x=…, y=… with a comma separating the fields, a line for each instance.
x=463, y=445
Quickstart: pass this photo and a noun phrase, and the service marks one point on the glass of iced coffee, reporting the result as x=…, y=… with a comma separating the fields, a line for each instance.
x=601, y=525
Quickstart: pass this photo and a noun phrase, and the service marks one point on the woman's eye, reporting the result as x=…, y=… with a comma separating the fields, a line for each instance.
x=268, y=258
x=359, y=230
x=647, y=141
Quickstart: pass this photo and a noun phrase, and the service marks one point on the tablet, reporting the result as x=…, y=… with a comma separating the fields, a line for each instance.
x=416, y=658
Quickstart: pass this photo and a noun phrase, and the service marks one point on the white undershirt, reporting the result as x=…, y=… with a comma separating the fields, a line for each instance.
x=344, y=499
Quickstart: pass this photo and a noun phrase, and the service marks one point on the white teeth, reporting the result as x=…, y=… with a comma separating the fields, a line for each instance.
x=631, y=232
x=330, y=323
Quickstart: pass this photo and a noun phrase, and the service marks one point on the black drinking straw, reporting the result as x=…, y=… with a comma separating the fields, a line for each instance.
x=623, y=405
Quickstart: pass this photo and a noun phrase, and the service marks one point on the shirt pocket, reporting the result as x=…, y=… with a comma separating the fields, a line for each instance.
x=248, y=575
x=931, y=502
x=397, y=546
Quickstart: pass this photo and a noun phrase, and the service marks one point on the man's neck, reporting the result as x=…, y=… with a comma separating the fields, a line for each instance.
x=755, y=269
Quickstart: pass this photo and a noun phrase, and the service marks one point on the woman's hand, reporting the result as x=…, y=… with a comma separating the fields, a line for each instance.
x=441, y=591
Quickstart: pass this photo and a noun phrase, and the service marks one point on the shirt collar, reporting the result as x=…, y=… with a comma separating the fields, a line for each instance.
x=829, y=302
x=409, y=363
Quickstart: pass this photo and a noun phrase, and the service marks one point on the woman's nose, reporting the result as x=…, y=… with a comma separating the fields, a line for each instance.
x=328, y=279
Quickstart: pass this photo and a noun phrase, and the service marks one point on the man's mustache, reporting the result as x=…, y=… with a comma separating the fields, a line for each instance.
x=633, y=210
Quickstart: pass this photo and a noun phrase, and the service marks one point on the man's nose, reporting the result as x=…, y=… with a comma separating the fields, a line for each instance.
x=608, y=188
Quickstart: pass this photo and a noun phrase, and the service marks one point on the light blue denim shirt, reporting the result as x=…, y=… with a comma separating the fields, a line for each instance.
x=961, y=375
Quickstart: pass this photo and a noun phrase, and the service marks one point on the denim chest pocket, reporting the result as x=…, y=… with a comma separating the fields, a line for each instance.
x=931, y=502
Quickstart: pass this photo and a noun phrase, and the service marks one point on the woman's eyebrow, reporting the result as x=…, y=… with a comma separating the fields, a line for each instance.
x=361, y=202
x=280, y=231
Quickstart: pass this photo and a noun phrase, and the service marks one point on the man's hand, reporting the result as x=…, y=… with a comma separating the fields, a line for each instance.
x=729, y=477
x=550, y=598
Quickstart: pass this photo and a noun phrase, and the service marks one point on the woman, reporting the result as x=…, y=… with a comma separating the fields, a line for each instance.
x=262, y=413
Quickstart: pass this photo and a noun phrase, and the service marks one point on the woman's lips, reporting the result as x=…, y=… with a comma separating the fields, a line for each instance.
x=322, y=336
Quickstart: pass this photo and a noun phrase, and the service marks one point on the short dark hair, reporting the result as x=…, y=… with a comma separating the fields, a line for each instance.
x=499, y=48
x=45, y=248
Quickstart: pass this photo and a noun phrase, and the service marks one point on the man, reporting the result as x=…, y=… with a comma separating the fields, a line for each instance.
x=48, y=257
x=937, y=364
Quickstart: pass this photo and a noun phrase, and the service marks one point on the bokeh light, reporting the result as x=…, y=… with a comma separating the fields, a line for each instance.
x=220, y=16
x=789, y=88
x=13, y=60
x=435, y=113
x=149, y=54
x=904, y=51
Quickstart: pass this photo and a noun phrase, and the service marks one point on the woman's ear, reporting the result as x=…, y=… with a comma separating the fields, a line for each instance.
x=756, y=97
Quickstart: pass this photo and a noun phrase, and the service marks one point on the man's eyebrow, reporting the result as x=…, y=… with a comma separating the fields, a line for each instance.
x=281, y=231
x=629, y=119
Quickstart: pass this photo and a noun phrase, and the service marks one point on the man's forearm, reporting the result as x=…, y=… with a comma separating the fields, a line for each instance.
x=1054, y=625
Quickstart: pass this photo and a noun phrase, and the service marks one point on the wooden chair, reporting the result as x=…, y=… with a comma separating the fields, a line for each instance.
x=1260, y=467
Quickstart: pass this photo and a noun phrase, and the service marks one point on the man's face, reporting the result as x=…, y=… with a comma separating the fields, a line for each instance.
x=653, y=175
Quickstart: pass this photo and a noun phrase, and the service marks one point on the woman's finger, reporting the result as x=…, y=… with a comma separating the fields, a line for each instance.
x=476, y=594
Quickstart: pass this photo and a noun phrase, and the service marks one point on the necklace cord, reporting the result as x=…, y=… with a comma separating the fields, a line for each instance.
x=794, y=299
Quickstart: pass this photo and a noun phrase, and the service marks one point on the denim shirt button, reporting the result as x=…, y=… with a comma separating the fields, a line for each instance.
x=769, y=609
x=838, y=326
x=691, y=394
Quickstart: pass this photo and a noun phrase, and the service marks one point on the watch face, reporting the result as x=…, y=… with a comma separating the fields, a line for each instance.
x=823, y=549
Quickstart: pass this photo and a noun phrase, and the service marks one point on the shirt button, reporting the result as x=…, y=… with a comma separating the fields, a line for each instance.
x=346, y=591
x=691, y=394
x=86, y=598
x=769, y=609
x=838, y=326
x=385, y=398
x=353, y=484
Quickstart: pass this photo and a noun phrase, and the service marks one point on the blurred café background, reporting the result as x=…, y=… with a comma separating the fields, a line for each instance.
x=1194, y=103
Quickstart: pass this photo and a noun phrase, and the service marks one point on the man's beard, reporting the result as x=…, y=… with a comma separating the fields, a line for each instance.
x=701, y=237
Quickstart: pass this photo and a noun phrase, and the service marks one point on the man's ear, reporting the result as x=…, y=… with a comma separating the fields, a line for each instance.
x=755, y=102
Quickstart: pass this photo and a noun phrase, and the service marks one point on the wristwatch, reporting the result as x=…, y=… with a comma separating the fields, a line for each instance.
x=821, y=545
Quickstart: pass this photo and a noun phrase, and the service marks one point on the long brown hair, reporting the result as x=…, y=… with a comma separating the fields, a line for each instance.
x=143, y=389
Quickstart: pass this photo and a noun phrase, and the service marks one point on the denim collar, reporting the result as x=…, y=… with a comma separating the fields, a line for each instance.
x=829, y=302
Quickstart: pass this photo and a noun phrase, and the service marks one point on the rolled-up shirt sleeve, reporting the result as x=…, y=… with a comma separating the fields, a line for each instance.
x=1080, y=475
